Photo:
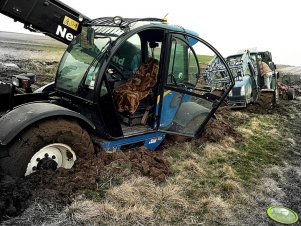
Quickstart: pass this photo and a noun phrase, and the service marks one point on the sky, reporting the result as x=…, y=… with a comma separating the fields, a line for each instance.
x=229, y=25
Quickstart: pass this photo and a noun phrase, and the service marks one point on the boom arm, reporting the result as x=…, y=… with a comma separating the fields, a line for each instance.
x=50, y=17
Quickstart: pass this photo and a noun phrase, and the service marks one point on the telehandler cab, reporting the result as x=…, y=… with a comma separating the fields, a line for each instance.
x=121, y=83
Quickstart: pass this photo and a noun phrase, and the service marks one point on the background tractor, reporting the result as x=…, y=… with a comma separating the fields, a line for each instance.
x=249, y=83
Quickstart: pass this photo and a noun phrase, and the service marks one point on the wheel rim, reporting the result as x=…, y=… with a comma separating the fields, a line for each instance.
x=51, y=157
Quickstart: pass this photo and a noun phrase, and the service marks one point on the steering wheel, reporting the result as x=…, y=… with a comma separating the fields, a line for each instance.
x=116, y=72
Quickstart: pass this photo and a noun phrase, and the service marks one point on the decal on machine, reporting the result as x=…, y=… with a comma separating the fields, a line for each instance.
x=70, y=23
x=62, y=32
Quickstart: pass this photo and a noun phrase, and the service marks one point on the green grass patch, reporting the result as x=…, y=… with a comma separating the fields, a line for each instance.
x=259, y=151
x=204, y=58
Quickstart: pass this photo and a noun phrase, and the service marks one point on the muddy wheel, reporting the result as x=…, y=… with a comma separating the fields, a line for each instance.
x=291, y=94
x=267, y=100
x=47, y=145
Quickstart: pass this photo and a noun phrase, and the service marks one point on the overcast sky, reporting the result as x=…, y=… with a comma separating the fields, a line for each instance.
x=229, y=25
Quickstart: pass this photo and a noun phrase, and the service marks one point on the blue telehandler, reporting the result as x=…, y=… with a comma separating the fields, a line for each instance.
x=121, y=83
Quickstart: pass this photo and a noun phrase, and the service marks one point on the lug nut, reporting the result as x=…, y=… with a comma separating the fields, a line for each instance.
x=34, y=168
x=53, y=157
x=38, y=159
x=46, y=155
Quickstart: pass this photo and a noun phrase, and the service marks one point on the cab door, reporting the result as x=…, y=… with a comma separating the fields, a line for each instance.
x=191, y=91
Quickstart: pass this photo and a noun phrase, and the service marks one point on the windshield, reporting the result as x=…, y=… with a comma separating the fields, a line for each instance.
x=76, y=62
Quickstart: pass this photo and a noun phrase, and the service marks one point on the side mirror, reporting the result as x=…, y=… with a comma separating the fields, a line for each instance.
x=87, y=37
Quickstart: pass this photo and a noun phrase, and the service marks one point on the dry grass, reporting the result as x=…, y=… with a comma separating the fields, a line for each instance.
x=136, y=201
x=215, y=210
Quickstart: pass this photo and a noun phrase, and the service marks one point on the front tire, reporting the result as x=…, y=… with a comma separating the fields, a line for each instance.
x=48, y=144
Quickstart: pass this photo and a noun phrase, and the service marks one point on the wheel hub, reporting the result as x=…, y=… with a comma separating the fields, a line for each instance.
x=51, y=157
x=47, y=163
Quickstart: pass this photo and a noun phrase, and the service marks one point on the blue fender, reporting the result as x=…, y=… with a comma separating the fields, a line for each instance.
x=15, y=121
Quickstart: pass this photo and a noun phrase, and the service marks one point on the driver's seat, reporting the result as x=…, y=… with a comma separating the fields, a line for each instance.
x=129, y=94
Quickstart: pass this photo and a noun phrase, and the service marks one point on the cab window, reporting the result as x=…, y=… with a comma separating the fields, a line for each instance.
x=183, y=66
x=128, y=56
x=154, y=49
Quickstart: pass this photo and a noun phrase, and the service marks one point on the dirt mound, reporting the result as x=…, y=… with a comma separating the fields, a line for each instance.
x=13, y=196
x=150, y=164
x=216, y=130
x=264, y=105
x=147, y=163
x=61, y=186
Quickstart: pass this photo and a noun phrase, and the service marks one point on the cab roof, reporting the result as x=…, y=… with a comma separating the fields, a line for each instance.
x=118, y=25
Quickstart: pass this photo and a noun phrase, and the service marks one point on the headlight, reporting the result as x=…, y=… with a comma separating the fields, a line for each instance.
x=243, y=91
x=230, y=94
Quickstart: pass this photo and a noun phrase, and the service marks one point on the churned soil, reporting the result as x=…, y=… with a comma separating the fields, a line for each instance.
x=216, y=130
x=63, y=185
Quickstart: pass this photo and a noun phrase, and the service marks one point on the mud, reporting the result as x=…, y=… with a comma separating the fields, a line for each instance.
x=216, y=130
x=264, y=105
x=144, y=162
x=62, y=186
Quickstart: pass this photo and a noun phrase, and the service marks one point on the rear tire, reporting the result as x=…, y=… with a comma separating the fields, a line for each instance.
x=49, y=132
x=267, y=100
